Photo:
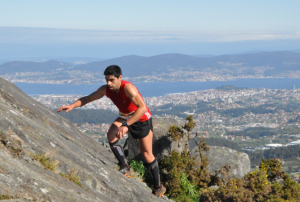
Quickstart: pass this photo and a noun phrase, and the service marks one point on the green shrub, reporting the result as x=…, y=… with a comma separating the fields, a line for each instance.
x=137, y=166
x=178, y=165
x=4, y=197
x=185, y=176
x=191, y=190
x=261, y=185
x=175, y=133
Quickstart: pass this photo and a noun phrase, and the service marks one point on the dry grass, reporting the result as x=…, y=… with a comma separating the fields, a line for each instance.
x=51, y=153
x=134, y=174
x=46, y=160
x=2, y=171
x=71, y=176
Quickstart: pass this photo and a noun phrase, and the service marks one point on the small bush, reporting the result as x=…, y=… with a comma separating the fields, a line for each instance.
x=175, y=133
x=178, y=165
x=183, y=173
x=4, y=197
x=138, y=167
x=191, y=191
x=261, y=185
x=186, y=177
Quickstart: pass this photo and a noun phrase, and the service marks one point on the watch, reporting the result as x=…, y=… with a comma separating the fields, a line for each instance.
x=124, y=123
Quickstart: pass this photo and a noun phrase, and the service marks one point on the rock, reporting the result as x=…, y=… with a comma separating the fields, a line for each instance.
x=162, y=144
x=29, y=128
x=106, y=146
x=219, y=156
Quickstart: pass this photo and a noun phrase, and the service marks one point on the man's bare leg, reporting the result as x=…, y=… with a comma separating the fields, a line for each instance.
x=146, y=147
x=111, y=134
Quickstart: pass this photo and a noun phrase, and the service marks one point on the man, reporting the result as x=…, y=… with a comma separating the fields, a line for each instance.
x=135, y=118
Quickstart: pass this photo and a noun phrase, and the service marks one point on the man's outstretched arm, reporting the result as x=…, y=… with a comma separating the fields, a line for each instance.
x=84, y=100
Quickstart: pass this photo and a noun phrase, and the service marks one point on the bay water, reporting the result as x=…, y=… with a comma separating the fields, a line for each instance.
x=150, y=89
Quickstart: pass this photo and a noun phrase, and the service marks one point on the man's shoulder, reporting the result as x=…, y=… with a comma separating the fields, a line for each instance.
x=130, y=90
x=124, y=83
x=102, y=89
x=129, y=86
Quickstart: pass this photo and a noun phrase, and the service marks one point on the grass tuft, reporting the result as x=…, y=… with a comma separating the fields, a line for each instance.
x=4, y=197
x=71, y=176
x=46, y=160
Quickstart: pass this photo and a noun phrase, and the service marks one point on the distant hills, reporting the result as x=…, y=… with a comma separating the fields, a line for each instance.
x=72, y=60
x=138, y=65
x=277, y=62
x=21, y=66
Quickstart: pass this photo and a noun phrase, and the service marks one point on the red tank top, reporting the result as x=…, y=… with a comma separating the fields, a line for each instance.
x=124, y=104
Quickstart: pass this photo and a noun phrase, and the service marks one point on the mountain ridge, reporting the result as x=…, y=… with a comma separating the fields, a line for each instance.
x=275, y=62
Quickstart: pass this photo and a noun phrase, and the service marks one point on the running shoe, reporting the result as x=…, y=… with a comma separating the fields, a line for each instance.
x=159, y=192
x=125, y=170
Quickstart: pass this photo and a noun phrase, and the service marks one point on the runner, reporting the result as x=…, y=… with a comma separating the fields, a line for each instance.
x=134, y=117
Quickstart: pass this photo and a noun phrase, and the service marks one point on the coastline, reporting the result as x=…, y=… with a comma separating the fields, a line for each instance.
x=150, y=89
x=158, y=81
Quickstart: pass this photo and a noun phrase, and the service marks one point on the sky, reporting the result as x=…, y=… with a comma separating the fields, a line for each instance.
x=89, y=28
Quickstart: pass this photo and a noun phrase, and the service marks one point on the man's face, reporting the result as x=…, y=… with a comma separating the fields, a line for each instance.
x=113, y=83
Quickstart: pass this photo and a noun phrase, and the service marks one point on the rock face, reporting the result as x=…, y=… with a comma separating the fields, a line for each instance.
x=219, y=156
x=27, y=126
x=162, y=144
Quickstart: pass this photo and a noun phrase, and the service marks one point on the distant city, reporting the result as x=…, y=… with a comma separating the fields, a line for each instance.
x=223, y=113
x=79, y=77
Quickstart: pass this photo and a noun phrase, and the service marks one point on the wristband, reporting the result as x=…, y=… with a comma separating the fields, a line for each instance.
x=124, y=123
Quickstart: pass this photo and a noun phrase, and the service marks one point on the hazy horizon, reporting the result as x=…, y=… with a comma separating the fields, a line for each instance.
x=40, y=42
x=108, y=29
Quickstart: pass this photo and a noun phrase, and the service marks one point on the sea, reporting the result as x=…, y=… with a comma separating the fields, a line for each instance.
x=152, y=89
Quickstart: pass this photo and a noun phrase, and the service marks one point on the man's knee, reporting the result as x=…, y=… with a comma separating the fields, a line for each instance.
x=110, y=137
x=148, y=155
x=111, y=134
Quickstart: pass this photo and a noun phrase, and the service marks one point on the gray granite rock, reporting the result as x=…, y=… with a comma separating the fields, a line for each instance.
x=219, y=156
x=162, y=144
x=26, y=126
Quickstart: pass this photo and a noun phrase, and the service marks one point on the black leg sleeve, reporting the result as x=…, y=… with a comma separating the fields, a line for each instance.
x=154, y=169
x=118, y=151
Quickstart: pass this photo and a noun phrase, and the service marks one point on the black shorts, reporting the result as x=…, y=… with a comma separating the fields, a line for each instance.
x=139, y=130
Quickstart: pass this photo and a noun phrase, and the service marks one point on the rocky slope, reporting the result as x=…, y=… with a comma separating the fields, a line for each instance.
x=163, y=145
x=219, y=156
x=28, y=129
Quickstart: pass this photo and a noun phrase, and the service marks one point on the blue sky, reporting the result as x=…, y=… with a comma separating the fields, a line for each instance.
x=156, y=22
x=178, y=15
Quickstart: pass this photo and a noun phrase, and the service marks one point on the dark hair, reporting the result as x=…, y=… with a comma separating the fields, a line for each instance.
x=113, y=70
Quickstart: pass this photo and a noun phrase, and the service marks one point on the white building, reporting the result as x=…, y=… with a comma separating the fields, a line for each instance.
x=273, y=145
x=293, y=143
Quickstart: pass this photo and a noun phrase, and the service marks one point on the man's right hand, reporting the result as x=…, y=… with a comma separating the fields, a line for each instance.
x=67, y=108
